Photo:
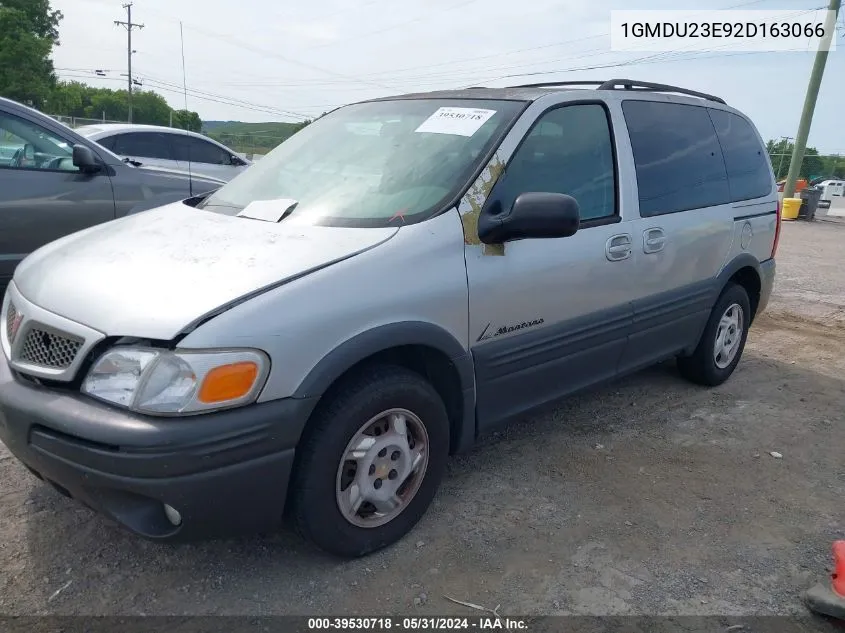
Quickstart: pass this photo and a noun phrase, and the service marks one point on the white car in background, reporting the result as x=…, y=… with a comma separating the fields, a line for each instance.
x=167, y=147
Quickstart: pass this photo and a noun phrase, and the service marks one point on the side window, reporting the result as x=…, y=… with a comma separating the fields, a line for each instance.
x=678, y=159
x=569, y=150
x=746, y=159
x=142, y=145
x=26, y=145
x=199, y=151
x=110, y=142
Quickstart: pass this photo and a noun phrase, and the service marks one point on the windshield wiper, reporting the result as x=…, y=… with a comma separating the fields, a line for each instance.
x=132, y=162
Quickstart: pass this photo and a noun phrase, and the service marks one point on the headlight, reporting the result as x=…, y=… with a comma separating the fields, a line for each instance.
x=165, y=382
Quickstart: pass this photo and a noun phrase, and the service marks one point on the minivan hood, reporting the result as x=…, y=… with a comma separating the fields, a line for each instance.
x=150, y=275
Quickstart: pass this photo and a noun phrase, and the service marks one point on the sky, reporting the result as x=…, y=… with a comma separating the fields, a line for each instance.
x=263, y=60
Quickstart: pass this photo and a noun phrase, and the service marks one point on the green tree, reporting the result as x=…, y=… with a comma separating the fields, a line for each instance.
x=67, y=98
x=114, y=104
x=79, y=100
x=780, y=153
x=149, y=107
x=43, y=21
x=28, y=32
x=185, y=120
x=833, y=167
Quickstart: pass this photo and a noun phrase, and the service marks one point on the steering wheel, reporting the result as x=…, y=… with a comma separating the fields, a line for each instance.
x=62, y=163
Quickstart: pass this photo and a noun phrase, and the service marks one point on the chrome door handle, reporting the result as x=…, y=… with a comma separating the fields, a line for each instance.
x=653, y=240
x=618, y=248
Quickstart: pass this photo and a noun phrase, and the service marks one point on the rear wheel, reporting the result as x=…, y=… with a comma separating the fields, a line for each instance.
x=370, y=462
x=723, y=340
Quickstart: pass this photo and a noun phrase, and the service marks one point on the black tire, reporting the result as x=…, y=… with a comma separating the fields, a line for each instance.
x=315, y=510
x=701, y=367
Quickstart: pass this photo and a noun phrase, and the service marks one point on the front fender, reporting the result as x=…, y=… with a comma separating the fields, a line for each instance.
x=391, y=336
x=379, y=339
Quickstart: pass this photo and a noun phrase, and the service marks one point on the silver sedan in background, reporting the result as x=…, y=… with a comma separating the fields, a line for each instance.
x=169, y=148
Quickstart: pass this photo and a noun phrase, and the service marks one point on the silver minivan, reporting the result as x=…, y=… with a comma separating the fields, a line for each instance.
x=399, y=278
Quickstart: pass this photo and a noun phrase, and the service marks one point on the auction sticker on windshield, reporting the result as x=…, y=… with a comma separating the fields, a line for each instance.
x=460, y=121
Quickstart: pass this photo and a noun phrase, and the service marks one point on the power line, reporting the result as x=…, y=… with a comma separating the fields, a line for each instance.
x=260, y=109
x=381, y=75
x=356, y=7
x=271, y=53
x=418, y=18
x=222, y=99
x=174, y=88
x=164, y=84
x=194, y=91
x=376, y=79
x=742, y=4
x=663, y=57
x=436, y=78
x=493, y=55
x=129, y=25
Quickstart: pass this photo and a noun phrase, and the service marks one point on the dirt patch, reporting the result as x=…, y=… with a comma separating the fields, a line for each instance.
x=810, y=280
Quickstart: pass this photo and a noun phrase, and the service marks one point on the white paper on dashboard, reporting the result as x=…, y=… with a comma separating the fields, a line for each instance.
x=268, y=210
x=459, y=121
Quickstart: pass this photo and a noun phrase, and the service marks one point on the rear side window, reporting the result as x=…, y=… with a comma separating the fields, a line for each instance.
x=677, y=155
x=746, y=159
x=142, y=145
x=195, y=150
x=109, y=142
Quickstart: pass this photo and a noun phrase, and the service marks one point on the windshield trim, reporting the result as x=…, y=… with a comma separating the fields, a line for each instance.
x=451, y=199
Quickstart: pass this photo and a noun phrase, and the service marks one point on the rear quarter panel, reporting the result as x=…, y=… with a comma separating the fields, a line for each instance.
x=754, y=229
x=755, y=221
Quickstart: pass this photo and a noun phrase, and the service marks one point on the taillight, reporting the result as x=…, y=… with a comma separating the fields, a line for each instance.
x=777, y=231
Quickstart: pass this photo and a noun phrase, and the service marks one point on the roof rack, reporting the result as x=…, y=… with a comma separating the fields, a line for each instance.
x=553, y=84
x=631, y=84
x=625, y=84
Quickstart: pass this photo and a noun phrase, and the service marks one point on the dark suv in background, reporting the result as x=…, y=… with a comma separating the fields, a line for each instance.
x=54, y=182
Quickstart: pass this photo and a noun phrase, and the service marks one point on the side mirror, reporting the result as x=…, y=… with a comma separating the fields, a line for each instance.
x=29, y=152
x=84, y=159
x=533, y=215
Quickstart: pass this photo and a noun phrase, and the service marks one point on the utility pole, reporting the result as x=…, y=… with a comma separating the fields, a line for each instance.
x=810, y=99
x=129, y=25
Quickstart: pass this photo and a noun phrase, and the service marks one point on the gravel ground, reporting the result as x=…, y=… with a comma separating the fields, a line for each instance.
x=649, y=496
x=810, y=279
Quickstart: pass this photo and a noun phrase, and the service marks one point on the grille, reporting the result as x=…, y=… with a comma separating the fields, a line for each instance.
x=10, y=318
x=49, y=350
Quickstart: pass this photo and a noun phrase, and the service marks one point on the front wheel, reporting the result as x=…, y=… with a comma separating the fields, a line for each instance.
x=723, y=340
x=370, y=462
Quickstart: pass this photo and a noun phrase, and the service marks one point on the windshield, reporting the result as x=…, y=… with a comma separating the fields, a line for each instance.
x=371, y=164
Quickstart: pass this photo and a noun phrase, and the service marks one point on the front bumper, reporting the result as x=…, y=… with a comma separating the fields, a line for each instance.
x=226, y=473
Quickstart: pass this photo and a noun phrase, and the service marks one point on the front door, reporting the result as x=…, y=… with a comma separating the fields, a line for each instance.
x=550, y=316
x=42, y=195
